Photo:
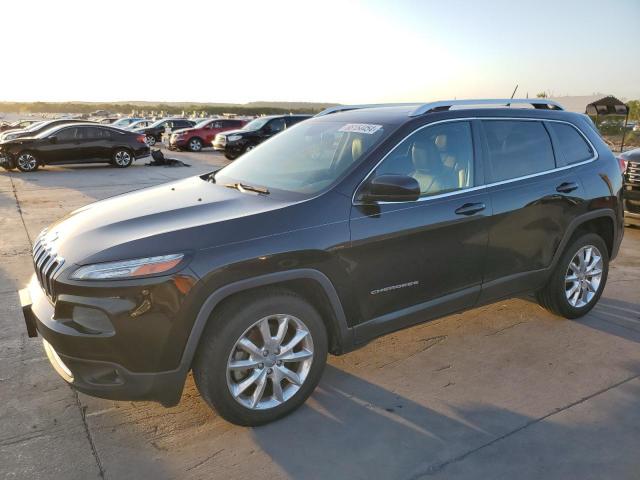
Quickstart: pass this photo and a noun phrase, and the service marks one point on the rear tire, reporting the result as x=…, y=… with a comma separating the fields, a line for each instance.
x=27, y=162
x=230, y=156
x=292, y=357
x=577, y=282
x=151, y=140
x=122, y=158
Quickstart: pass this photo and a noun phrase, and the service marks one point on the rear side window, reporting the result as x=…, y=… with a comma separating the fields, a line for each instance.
x=572, y=145
x=517, y=148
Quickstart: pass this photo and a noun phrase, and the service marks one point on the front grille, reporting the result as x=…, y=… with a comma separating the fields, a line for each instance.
x=47, y=264
x=632, y=175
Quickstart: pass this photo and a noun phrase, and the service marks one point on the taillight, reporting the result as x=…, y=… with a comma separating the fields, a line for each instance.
x=623, y=164
x=141, y=139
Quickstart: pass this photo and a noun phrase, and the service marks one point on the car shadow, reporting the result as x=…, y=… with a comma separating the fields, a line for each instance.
x=353, y=429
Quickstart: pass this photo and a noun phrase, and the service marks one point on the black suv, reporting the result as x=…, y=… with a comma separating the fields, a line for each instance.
x=349, y=226
x=154, y=131
x=73, y=143
x=630, y=162
x=236, y=142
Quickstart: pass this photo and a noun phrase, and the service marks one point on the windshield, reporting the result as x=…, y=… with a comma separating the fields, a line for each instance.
x=35, y=126
x=47, y=131
x=138, y=124
x=305, y=158
x=256, y=124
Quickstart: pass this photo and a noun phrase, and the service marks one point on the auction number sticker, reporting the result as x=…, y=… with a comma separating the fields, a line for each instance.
x=367, y=128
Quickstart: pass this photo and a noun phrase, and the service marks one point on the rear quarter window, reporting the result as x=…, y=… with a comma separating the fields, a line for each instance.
x=572, y=146
x=517, y=148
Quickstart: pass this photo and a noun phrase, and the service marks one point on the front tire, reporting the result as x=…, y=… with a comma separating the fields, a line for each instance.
x=27, y=162
x=579, y=278
x=195, y=144
x=261, y=357
x=122, y=158
x=230, y=156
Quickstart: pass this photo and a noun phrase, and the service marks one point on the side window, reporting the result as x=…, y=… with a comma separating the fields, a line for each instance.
x=89, y=132
x=105, y=133
x=275, y=125
x=217, y=125
x=67, y=134
x=573, y=147
x=517, y=148
x=439, y=157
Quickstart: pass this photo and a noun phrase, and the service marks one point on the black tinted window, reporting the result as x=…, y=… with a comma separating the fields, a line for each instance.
x=573, y=147
x=517, y=148
x=67, y=134
x=439, y=157
x=276, y=125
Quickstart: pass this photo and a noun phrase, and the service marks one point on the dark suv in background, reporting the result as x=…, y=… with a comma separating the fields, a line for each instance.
x=631, y=165
x=356, y=223
x=73, y=143
x=154, y=132
x=236, y=142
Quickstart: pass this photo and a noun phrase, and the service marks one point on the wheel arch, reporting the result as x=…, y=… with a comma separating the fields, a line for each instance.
x=312, y=285
x=601, y=222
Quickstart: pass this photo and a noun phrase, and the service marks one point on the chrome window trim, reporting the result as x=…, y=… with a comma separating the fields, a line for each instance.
x=487, y=185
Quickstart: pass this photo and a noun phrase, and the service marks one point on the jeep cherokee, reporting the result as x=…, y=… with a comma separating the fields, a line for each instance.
x=358, y=222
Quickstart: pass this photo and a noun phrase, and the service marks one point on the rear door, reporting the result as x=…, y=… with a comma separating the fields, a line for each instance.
x=406, y=256
x=533, y=198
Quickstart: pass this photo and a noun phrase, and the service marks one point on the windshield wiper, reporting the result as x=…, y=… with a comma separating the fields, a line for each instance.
x=242, y=187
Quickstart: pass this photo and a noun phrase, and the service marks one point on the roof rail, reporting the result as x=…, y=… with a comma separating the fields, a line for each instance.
x=539, y=103
x=345, y=108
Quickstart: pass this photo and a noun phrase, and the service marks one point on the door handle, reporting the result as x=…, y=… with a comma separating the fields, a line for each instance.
x=470, y=208
x=567, y=187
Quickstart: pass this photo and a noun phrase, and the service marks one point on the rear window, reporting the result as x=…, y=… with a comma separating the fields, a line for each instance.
x=517, y=148
x=572, y=145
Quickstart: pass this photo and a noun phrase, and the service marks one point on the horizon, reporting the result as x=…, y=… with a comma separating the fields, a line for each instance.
x=335, y=52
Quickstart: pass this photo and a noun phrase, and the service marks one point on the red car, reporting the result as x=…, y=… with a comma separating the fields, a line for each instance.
x=202, y=133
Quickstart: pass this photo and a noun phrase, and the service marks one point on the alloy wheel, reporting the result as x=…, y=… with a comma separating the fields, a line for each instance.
x=195, y=145
x=583, y=276
x=122, y=158
x=151, y=140
x=27, y=162
x=270, y=362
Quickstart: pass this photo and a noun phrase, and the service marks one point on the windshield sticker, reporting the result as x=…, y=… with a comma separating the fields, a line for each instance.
x=367, y=128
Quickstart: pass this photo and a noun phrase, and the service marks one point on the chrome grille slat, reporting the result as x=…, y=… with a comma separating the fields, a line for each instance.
x=47, y=264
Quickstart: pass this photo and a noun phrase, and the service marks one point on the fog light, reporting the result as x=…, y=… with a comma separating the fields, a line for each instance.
x=57, y=362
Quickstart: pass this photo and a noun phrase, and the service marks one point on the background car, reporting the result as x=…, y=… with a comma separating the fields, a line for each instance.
x=154, y=132
x=630, y=162
x=36, y=128
x=202, y=133
x=139, y=124
x=236, y=142
x=74, y=143
x=125, y=122
x=19, y=125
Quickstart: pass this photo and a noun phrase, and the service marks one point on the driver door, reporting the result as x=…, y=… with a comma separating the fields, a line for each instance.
x=417, y=259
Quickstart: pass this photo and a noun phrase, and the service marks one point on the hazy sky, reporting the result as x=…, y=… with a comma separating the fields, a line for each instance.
x=325, y=50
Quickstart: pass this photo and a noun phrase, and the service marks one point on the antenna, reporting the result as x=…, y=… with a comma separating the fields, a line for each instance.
x=514, y=91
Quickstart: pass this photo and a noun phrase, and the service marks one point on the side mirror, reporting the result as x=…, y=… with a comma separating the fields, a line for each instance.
x=390, y=188
x=53, y=139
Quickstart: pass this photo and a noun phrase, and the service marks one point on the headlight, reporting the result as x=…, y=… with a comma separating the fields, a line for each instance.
x=234, y=138
x=9, y=137
x=128, y=268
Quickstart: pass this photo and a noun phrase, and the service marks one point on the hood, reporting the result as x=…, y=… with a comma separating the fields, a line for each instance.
x=182, y=216
x=18, y=132
x=19, y=141
x=239, y=131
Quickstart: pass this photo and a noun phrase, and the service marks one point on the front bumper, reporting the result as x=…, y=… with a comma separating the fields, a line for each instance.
x=80, y=352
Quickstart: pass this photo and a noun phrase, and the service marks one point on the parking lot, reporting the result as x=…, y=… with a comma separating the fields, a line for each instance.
x=501, y=391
